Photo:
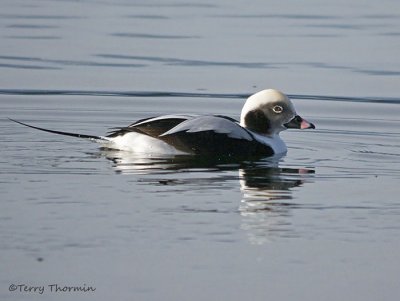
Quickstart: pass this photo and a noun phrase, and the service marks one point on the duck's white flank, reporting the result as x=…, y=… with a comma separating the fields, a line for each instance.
x=142, y=144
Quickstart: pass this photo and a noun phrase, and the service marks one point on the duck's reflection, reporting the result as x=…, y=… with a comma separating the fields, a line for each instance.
x=264, y=185
x=131, y=163
x=266, y=204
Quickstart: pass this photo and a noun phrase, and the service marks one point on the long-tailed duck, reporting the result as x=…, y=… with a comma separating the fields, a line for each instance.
x=264, y=115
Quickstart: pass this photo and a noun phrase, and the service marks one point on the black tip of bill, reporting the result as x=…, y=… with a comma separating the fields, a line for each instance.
x=299, y=123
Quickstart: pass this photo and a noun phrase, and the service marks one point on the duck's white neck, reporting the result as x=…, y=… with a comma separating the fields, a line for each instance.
x=275, y=141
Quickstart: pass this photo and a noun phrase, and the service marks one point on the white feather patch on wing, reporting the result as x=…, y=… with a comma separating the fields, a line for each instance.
x=211, y=123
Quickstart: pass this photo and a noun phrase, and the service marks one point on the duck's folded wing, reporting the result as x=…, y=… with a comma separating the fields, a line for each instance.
x=214, y=135
x=154, y=126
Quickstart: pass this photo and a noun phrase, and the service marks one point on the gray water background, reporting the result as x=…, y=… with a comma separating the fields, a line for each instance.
x=321, y=223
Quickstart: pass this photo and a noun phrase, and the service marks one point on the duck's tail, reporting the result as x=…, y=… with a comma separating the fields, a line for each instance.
x=99, y=139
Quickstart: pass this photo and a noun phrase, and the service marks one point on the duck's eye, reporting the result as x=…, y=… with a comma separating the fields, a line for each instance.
x=277, y=109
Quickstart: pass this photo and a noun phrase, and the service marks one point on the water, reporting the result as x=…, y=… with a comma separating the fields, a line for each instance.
x=321, y=222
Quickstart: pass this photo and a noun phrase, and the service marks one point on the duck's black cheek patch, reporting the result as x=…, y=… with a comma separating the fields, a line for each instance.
x=256, y=121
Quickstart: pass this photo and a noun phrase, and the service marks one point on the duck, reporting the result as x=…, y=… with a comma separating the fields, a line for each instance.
x=264, y=115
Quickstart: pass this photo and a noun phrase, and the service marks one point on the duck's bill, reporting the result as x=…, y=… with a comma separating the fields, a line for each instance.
x=299, y=123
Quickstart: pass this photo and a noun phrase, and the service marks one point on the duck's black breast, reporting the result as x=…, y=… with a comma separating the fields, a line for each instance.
x=212, y=143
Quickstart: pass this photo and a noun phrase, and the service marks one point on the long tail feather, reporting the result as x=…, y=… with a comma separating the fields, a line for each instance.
x=90, y=137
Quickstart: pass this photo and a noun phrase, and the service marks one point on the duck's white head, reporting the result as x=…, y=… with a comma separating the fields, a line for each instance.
x=269, y=112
